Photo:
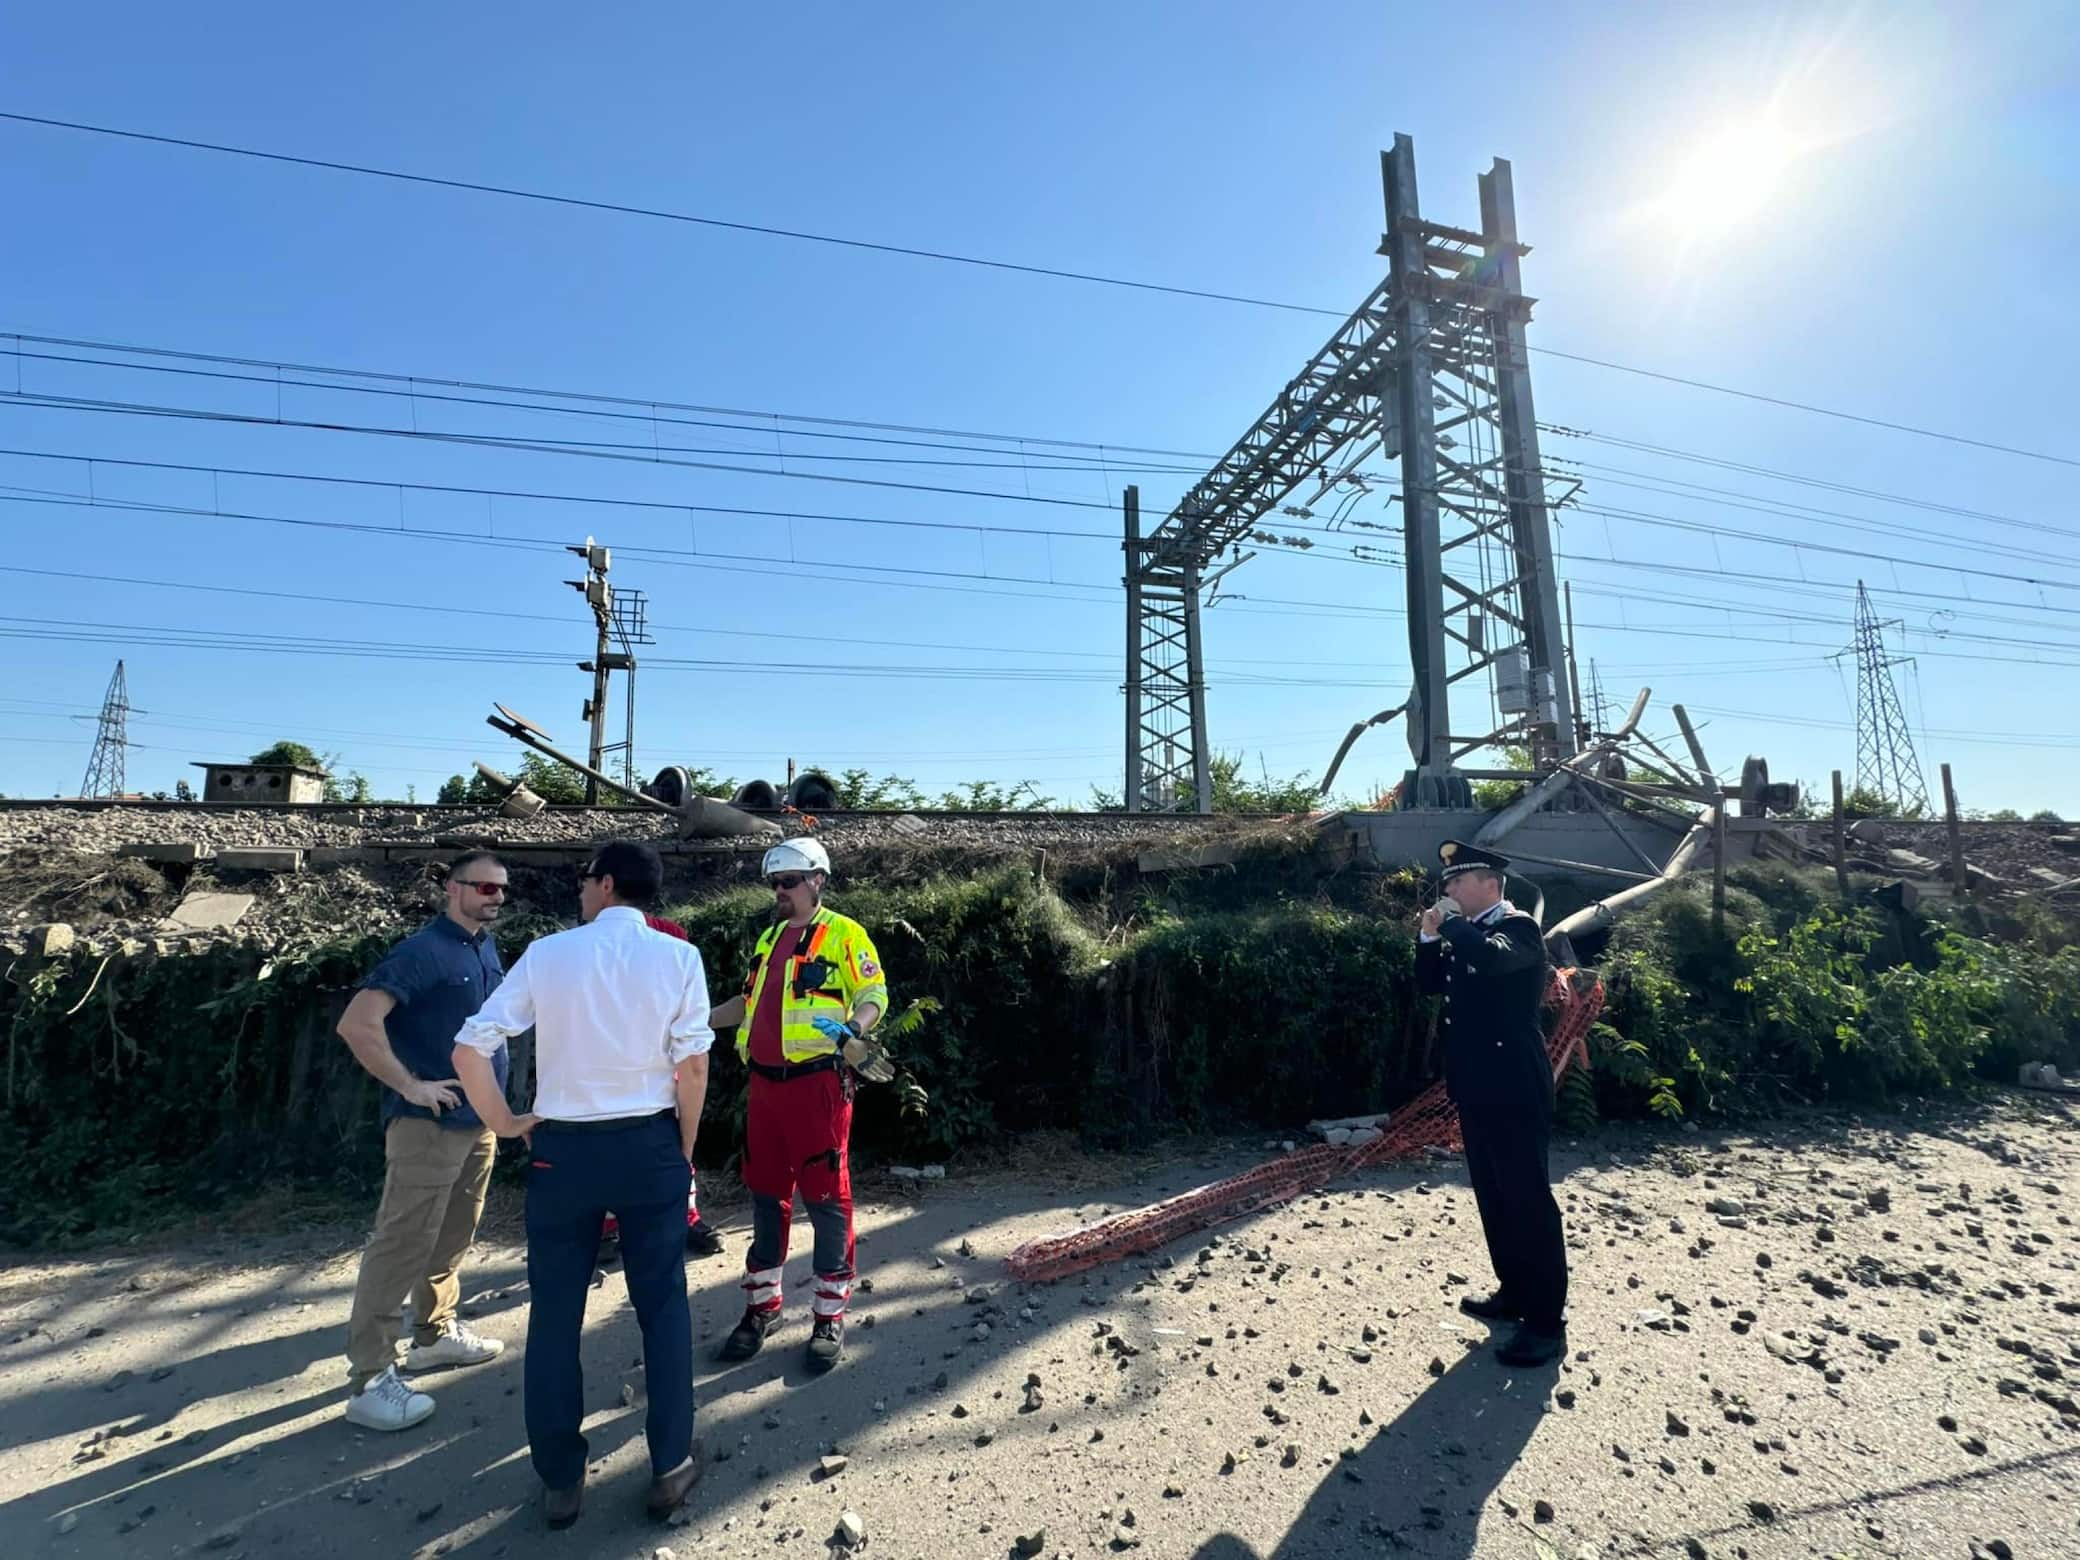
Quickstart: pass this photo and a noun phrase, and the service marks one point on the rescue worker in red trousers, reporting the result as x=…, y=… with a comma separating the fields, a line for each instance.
x=702, y=1239
x=814, y=992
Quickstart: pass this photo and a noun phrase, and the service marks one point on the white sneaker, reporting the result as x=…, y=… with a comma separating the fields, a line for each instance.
x=386, y=1403
x=457, y=1345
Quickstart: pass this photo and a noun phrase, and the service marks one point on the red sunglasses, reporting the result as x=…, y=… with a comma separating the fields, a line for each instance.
x=486, y=889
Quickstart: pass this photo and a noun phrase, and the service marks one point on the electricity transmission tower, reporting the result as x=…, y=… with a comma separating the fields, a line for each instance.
x=1599, y=711
x=111, y=740
x=1429, y=372
x=1886, y=763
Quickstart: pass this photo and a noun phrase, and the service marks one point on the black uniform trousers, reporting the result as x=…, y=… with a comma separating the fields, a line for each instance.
x=1506, y=1144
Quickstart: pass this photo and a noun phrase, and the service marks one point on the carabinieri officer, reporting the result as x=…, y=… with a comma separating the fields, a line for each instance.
x=1487, y=959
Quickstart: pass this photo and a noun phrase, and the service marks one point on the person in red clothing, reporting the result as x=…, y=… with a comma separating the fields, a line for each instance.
x=701, y=1237
x=814, y=991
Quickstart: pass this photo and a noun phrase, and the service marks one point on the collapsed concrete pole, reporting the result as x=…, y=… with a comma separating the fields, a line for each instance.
x=700, y=817
x=1597, y=916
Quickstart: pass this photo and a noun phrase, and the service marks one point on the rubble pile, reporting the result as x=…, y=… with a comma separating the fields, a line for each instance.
x=1999, y=857
x=179, y=879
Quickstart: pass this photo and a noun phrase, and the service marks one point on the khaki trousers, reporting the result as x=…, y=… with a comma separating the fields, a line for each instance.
x=433, y=1196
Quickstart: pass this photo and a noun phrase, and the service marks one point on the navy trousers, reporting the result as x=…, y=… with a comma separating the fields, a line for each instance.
x=574, y=1180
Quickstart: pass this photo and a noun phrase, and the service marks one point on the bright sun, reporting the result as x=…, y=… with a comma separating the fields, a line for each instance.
x=1728, y=180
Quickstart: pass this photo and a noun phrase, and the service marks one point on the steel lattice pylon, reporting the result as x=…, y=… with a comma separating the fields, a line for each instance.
x=1430, y=370
x=1886, y=764
x=111, y=741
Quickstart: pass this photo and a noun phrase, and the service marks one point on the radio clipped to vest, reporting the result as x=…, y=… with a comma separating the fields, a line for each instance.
x=813, y=975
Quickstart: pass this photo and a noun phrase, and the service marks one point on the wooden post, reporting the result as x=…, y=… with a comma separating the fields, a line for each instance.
x=1958, y=881
x=1841, y=846
x=1719, y=867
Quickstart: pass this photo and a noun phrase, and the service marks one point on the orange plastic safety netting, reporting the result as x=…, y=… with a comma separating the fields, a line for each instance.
x=1427, y=1121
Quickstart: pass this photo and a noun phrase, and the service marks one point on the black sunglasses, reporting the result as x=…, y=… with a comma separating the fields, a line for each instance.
x=788, y=880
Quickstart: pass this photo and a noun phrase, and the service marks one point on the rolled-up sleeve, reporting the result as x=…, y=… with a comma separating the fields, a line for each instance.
x=690, y=1034
x=402, y=974
x=507, y=1012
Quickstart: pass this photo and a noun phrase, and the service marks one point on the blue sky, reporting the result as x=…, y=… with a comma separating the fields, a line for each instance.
x=1894, y=244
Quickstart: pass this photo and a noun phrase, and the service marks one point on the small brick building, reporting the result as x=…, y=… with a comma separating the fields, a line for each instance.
x=262, y=783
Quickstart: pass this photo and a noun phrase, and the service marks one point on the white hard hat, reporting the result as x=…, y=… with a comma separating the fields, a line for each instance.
x=800, y=855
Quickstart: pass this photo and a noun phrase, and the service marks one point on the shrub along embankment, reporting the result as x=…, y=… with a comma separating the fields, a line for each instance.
x=1223, y=1000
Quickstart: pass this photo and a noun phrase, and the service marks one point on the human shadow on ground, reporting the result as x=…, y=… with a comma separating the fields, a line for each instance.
x=153, y=1391
x=1420, y=1485
x=461, y=1485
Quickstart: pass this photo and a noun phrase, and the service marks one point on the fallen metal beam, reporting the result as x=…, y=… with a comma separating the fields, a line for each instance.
x=1597, y=806
x=1690, y=737
x=1599, y=915
x=1524, y=806
x=1661, y=813
x=528, y=736
x=1595, y=868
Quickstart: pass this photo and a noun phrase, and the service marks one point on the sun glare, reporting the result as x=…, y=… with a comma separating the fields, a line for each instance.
x=1729, y=180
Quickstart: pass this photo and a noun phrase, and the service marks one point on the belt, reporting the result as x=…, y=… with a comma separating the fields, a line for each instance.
x=608, y=1124
x=787, y=1070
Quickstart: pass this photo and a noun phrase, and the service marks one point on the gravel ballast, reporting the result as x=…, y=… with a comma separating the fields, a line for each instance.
x=1896, y=1381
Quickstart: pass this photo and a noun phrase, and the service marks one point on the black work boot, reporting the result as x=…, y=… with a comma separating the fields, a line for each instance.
x=749, y=1335
x=827, y=1343
x=702, y=1240
x=1497, y=1307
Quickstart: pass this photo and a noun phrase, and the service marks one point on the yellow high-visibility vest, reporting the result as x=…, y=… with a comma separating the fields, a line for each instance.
x=834, y=969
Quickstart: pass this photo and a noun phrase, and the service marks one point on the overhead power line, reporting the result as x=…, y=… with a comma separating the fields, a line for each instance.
x=1058, y=273
x=1801, y=479
x=637, y=409
x=655, y=453
x=52, y=709
x=210, y=639
x=566, y=621
x=227, y=639
x=760, y=563
x=647, y=457
x=625, y=408
x=972, y=581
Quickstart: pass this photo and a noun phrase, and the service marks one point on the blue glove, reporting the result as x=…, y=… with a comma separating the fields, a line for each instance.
x=832, y=1030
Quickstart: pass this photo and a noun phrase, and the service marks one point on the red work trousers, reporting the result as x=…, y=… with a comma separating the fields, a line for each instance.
x=795, y=1135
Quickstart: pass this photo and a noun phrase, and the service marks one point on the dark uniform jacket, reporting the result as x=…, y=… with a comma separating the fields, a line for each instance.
x=1492, y=976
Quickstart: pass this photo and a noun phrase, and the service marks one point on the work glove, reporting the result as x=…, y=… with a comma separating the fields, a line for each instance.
x=862, y=1055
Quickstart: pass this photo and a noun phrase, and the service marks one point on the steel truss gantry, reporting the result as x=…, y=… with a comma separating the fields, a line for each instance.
x=1430, y=371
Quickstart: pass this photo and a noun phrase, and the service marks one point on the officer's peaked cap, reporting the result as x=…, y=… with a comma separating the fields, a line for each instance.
x=1458, y=856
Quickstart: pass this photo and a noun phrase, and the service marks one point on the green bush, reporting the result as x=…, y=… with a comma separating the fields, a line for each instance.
x=1801, y=998
x=1251, y=996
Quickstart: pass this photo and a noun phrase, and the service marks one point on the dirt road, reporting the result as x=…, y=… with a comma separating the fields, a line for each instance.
x=1830, y=1338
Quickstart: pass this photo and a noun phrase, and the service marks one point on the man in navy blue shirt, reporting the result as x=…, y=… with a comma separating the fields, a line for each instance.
x=401, y=1027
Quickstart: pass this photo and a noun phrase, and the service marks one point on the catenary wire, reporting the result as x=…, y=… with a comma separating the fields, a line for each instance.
x=949, y=257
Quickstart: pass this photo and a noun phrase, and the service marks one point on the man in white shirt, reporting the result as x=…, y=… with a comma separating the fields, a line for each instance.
x=621, y=1071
